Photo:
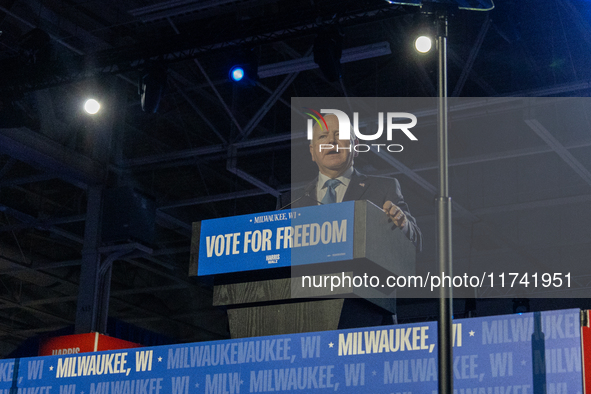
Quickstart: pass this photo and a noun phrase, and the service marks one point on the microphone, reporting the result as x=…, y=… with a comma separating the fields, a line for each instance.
x=306, y=195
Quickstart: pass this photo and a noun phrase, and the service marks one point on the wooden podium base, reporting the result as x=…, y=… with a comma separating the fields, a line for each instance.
x=266, y=301
x=266, y=308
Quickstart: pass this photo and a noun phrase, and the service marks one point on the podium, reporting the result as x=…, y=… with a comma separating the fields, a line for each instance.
x=267, y=267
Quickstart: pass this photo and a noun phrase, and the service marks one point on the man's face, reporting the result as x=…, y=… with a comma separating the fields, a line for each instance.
x=331, y=161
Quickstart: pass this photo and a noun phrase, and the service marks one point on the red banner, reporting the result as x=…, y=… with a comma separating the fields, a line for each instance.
x=586, y=339
x=82, y=343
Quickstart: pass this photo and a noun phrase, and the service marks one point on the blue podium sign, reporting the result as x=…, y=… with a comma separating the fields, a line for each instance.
x=276, y=239
x=515, y=354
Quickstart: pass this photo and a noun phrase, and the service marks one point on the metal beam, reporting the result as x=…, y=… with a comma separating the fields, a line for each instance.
x=172, y=8
x=23, y=217
x=168, y=158
x=35, y=311
x=459, y=62
x=121, y=293
x=582, y=24
x=184, y=227
x=306, y=62
x=43, y=224
x=45, y=154
x=214, y=198
x=7, y=167
x=256, y=119
x=178, y=155
x=211, y=85
x=232, y=167
x=518, y=207
x=407, y=171
x=510, y=154
x=552, y=91
x=89, y=292
x=462, y=212
x=557, y=147
x=472, y=57
x=26, y=180
x=171, y=49
x=198, y=111
x=397, y=164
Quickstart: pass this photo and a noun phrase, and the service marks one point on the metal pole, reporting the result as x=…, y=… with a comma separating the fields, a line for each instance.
x=88, y=293
x=444, y=328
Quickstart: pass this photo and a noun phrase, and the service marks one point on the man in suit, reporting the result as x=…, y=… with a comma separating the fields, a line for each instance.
x=338, y=181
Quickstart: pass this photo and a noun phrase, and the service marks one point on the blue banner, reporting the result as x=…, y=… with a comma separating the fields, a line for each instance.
x=276, y=239
x=515, y=354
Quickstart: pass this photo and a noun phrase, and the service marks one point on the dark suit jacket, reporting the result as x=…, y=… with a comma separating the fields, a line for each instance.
x=376, y=189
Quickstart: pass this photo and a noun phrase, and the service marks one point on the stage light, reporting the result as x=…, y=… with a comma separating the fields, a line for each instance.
x=236, y=73
x=152, y=86
x=244, y=67
x=423, y=29
x=92, y=106
x=423, y=44
x=307, y=63
x=520, y=305
x=328, y=49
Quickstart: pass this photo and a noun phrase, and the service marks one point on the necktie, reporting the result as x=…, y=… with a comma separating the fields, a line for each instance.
x=331, y=194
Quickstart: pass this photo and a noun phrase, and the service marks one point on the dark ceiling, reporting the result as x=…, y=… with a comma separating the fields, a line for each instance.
x=216, y=149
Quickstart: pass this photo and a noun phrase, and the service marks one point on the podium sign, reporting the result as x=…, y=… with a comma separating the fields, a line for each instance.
x=350, y=231
x=274, y=239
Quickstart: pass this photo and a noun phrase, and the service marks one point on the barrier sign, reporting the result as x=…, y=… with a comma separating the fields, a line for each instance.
x=525, y=354
x=276, y=239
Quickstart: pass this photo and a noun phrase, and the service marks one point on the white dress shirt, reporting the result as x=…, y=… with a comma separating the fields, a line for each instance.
x=341, y=189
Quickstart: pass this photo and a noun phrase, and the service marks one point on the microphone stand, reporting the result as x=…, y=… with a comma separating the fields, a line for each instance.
x=444, y=227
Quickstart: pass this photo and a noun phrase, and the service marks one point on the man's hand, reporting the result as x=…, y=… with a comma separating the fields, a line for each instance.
x=395, y=213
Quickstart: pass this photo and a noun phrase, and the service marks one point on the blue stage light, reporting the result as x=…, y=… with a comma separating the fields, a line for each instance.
x=237, y=73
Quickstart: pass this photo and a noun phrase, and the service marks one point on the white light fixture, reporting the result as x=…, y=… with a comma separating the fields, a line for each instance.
x=92, y=106
x=307, y=63
x=423, y=44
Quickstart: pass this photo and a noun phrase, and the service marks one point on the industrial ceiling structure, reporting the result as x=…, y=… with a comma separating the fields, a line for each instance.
x=215, y=148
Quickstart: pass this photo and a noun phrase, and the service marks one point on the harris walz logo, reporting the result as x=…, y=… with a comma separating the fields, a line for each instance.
x=393, y=121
